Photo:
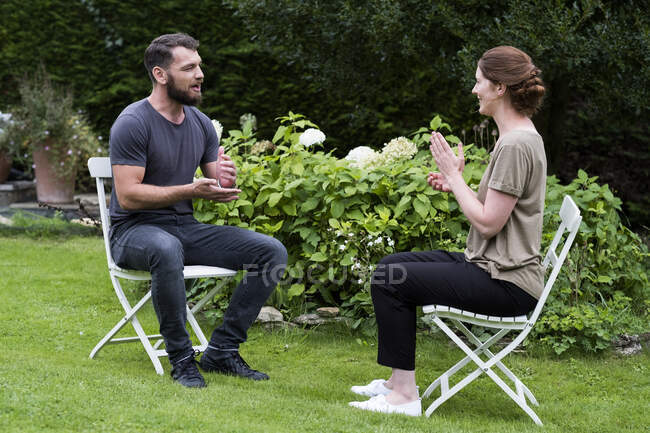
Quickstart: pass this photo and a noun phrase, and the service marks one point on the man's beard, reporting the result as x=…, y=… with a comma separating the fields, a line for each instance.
x=180, y=96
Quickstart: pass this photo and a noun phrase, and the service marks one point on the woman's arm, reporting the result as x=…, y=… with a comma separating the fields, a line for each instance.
x=488, y=217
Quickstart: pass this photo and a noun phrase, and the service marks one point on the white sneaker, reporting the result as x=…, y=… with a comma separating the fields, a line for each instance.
x=379, y=404
x=374, y=388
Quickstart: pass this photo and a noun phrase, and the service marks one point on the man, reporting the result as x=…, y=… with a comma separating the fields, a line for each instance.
x=156, y=145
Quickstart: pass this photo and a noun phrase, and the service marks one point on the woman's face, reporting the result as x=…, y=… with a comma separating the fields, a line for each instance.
x=486, y=92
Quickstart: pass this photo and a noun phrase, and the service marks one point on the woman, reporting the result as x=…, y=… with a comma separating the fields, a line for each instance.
x=499, y=273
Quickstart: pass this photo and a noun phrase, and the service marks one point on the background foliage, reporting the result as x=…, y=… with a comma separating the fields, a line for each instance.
x=368, y=70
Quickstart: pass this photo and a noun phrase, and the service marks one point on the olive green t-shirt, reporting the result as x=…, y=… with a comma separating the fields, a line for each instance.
x=517, y=167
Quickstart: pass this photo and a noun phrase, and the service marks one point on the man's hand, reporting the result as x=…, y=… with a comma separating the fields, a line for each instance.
x=210, y=190
x=226, y=170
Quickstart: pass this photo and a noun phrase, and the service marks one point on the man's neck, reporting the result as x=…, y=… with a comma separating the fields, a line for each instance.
x=168, y=108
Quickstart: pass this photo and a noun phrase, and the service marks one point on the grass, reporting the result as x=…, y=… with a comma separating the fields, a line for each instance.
x=58, y=302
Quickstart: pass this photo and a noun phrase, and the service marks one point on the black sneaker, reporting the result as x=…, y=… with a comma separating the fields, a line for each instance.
x=186, y=373
x=229, y=362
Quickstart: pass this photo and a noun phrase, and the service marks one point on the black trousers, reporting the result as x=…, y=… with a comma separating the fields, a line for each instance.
x=404, y=281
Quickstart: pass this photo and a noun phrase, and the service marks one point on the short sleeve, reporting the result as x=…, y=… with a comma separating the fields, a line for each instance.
x=211, y=143
x=511, y=169
x=128, y=142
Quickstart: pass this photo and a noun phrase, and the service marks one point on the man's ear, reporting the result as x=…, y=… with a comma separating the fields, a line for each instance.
x=160, y=75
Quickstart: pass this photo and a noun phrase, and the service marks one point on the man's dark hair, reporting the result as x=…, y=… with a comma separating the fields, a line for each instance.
x=159, y=52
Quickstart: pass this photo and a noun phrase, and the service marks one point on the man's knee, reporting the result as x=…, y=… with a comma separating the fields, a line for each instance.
x=275, y=252
x=165, y=250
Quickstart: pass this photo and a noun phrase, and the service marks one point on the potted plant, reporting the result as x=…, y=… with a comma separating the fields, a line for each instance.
x=8, y=145
x=58, y=137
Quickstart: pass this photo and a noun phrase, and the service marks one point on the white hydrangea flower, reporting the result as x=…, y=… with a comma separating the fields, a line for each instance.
x=248, y=118
x=397, y=148
x=361, y=156
x=217, y=127
x=311, y=136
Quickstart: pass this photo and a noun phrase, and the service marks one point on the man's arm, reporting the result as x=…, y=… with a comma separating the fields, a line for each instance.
x=132, y=194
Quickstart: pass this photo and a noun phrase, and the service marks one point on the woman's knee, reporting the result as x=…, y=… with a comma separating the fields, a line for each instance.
x=390, y=259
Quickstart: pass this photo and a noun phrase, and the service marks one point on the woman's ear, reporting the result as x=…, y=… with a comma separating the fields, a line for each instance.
x=501, y=89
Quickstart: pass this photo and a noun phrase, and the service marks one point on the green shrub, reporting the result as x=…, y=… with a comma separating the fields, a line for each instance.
x=338, y=221
x=603, y=288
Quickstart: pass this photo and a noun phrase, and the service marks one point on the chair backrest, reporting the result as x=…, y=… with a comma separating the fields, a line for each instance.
x=570, y=222
x=100, y=169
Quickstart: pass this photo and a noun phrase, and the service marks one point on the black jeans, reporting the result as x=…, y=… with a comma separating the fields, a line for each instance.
x=404, y=281
x=163, y=244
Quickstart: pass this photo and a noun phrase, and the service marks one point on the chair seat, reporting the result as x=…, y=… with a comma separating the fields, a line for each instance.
x=189, y=272
x=201, y=271
x=517, y=322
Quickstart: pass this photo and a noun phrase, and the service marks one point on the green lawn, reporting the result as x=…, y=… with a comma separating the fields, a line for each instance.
x=58, y=302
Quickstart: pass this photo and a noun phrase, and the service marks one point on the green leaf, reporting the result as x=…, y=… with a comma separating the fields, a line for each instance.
x=452, y=139
x=295, y=290
x=279, y=133
x=272, y=228
x=435, y=123
x=275, y=198
x=337, y=208
x=402, y=206
x=310, y=204
x=318, y=257
x=421, y=208
x=347, y=260
x=297, y=168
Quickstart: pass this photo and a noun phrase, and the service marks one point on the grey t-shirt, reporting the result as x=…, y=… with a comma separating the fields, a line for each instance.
x=169, y=153
x=517, y=167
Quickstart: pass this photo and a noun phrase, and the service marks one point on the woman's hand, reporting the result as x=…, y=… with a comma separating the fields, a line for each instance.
x=448, y=163
x=438, y=181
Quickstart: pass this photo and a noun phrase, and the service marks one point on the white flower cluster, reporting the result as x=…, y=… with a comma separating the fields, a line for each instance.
x=397, y=148
x=311, y=136
x=262, y=146
x=217, y=127
x=362, y=157
x=5, y=120
x=248, y=118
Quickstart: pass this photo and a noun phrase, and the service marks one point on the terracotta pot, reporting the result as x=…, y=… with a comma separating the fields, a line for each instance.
x=5, y=166
x=51, y=187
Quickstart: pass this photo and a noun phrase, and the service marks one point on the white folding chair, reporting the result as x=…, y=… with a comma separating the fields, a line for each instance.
x=100, y=169
x=570, y=216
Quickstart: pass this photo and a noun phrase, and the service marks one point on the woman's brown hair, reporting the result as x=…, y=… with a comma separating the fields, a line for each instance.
x=514, y=68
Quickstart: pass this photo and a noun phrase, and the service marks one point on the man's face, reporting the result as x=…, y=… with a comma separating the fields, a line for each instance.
x=184, y=77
